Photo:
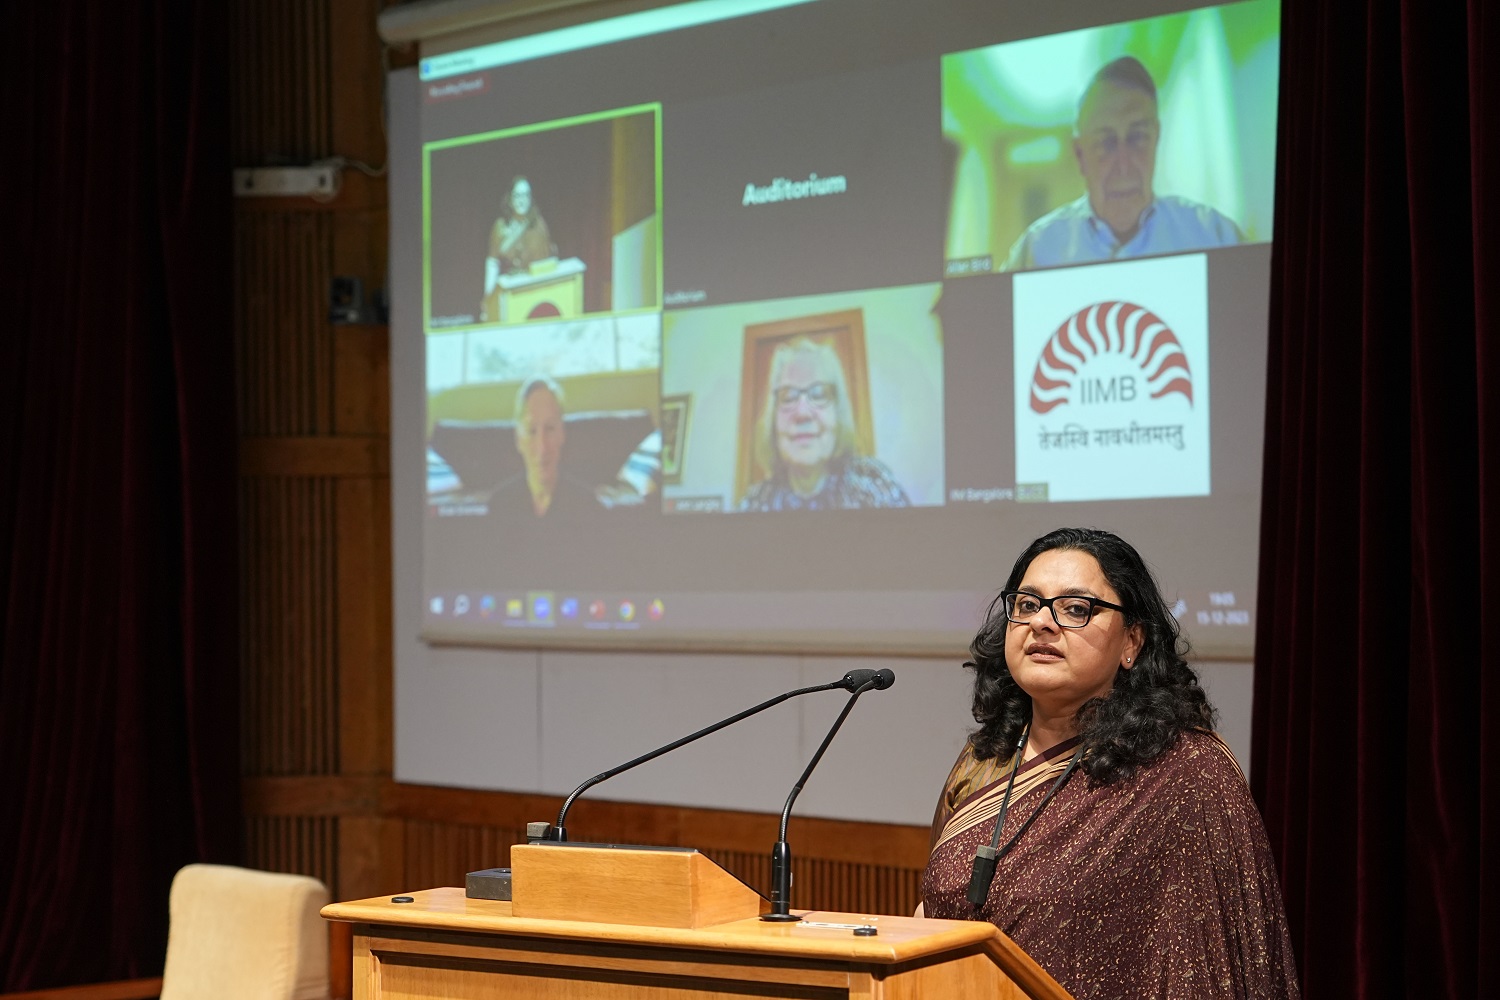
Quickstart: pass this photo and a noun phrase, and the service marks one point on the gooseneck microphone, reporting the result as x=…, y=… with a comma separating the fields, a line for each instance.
x=854, y=680
x=781, y=852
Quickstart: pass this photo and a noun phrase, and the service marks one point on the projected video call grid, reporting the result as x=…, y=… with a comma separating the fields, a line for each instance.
x=772, y=305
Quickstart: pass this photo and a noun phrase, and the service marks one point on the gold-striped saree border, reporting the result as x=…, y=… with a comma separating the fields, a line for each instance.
x=986, y=805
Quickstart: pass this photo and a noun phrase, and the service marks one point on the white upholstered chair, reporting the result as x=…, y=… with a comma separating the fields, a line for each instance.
x=238, y=934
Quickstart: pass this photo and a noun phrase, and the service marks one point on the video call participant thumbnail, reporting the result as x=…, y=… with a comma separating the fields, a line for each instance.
x=519, y=237
x=542, y=490
x=1115, y=139
x=806, y=438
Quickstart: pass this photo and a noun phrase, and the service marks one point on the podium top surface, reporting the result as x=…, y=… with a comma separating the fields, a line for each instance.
x=900, y=939
x=563, y=269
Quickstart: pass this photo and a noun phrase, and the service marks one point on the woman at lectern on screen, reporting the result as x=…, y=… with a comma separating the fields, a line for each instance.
x=1095, y=816
x=806, y=439
x=519, y=237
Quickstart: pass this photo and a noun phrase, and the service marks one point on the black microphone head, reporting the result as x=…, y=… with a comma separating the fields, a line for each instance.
x=856, y=679
x=884, y=678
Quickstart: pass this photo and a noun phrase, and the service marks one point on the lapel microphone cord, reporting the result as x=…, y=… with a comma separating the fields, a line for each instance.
x=987, y=857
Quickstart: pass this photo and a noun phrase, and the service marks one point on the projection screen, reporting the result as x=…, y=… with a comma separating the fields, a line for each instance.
x=783, y=325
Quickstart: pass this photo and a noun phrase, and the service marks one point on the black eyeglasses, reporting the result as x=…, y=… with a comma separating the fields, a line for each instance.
x=1069, y=610
x=819, y=394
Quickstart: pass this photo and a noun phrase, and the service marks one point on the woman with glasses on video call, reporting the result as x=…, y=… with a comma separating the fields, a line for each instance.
x=1095, y=816
x=806, y=443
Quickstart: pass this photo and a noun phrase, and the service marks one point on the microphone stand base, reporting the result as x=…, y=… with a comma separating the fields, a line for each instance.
x=780, y=918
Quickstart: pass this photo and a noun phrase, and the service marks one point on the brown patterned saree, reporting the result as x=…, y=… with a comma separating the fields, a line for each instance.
x=1162, y=885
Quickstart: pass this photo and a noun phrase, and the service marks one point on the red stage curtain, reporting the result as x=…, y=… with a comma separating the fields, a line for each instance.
x=118, y=591
x=1376, y=736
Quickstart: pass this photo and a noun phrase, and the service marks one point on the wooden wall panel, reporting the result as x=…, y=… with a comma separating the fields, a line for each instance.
x=284, y=341
x=288, y=626
x=300, y=845
x=441, y=853
x=856, y=888
x=754, y=869
x=829, y=884
x=371, y=849
x=279, y=107
x=363, y=537
x=314, y=414
x=362, y=378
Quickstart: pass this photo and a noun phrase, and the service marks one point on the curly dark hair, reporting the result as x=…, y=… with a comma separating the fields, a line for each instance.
x=1149, y=707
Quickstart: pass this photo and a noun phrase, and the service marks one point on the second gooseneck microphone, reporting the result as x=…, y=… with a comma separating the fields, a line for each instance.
x=781, y=852
x=854, y=680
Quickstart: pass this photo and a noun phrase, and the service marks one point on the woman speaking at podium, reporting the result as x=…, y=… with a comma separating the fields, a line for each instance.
x=518, y=239
x=1094, y=816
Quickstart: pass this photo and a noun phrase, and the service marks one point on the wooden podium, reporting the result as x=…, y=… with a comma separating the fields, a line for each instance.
x=618, y=923
x=557, y=288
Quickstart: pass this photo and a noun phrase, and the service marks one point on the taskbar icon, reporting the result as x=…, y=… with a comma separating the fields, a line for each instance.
x=547, y=609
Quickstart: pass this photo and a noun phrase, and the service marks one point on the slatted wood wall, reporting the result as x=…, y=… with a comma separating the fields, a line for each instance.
x=315, y=531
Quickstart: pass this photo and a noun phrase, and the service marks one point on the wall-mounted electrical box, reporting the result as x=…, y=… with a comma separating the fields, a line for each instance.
x=286, y=182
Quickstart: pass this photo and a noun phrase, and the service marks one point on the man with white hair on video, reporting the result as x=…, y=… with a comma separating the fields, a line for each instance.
x=1120, y=215
x=541, y=488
